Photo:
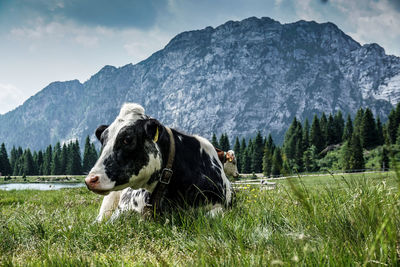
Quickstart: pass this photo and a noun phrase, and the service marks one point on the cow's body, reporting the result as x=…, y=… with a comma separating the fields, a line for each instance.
x=133, y=158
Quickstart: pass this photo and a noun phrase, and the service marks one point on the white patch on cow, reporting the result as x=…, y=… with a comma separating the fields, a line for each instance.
x=128, y=115
x=180, y=137
x=140, y=180
x=215, y=210
x=135, y=202
x=109, y=204
x=207, y=147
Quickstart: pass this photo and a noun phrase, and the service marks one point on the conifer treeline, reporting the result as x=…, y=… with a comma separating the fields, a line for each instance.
x=303, y=150
x=305, y=146
x=57, y=160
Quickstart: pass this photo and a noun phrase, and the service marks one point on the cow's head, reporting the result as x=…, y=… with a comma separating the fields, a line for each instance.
x=130, y=154
x=230, y=165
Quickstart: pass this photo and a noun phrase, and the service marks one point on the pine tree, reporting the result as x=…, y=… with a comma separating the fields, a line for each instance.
x=28, y=165
x=357, y=157
x=339, y=127
x=246, y=161
x=243, y=148
x=316, y=136
x=358, y=121
x=5, y=167
x=379, y=132
x=368, y=132
x=346, y=155
x=330, y=131
x=74, y=166
x=224, y=142
x=348, y=129
x=276, y=162
x=214, y=141
x=13, y=158
x=310, y=158
x=238, y=153
x=306, y=135
x=64, y=159
x=257, y=156
x=56, y=160
x=48, y=157
x=323, y=123
x=39, y=163
x=86, y=165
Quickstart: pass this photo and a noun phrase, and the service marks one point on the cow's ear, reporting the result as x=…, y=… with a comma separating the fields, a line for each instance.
x=100, y=130
x=152, y=128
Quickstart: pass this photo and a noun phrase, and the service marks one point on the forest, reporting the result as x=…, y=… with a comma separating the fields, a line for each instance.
x=330, y=143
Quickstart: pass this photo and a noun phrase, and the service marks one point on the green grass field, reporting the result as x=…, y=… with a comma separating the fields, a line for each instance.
x=327, y=220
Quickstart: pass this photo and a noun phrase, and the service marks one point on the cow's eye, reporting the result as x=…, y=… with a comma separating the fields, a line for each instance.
x=127, y=140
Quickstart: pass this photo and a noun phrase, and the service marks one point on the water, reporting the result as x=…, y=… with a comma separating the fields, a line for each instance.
x=38, y=186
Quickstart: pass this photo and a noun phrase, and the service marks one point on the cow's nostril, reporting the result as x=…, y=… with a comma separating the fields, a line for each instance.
x=94, y=179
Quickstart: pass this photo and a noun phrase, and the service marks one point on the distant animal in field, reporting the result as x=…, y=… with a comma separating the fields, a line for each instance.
x=230, y=163
x=159, y=168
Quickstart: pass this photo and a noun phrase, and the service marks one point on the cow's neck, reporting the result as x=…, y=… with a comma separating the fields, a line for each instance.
x=153, y=207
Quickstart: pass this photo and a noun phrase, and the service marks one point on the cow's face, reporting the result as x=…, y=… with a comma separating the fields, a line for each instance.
x=230, y=166
x=129, y=154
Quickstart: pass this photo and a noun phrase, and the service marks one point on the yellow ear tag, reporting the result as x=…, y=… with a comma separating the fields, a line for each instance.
x=156, y=136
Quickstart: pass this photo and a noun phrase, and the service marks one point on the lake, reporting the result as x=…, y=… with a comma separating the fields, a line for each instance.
x=38, y=186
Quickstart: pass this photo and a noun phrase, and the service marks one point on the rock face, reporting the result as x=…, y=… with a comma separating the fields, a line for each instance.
x=241, y=77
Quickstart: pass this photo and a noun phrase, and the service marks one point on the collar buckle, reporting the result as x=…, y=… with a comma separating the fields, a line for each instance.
x=165, y=177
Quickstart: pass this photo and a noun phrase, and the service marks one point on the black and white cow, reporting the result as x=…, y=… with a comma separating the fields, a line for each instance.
x=135, y=151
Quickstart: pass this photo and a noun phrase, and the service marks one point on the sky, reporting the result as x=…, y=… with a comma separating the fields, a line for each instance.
x=42, y=41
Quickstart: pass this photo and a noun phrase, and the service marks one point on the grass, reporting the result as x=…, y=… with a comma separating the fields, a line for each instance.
x=334, y=220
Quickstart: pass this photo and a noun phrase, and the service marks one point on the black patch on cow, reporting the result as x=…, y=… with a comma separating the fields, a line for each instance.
x=131, y=152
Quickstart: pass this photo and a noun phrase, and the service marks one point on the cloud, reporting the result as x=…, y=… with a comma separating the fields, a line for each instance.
x=115, y=14
x=10, y=97
x=373, y=22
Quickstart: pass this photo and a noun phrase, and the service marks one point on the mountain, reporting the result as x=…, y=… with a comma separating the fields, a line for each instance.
x=255, y=74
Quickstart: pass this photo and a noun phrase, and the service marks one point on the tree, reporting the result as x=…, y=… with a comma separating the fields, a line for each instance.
x=379, y=132
x=224, y=142
x=357, y=157
x=48, y=158
x=393, y=124
x=339, y=127
x=243, y=148
x=277, y=162
x=330, y=131
x=214, y=141
x=306, y=135
x=316, y=135
x=310, y=158
x=28, y=165
x=358, y=121
x=323, y=123
x=258, y=151
x=368, y=132
x=56, y=161
x=5, y=167
x=74, y=165
x=246, y=161
x=269, y=148
x=348, y=129
x=238, y=153
x=89, y=156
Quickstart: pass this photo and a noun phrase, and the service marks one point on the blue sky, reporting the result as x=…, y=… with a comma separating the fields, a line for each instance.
x=42, y=41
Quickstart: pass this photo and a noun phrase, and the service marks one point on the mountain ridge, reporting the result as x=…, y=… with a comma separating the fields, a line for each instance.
x=239, y=77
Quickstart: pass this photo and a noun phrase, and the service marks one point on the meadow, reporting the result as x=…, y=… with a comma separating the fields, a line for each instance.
x=349, y=220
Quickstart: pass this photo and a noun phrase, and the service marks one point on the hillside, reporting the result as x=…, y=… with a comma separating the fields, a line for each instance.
x=255, y=74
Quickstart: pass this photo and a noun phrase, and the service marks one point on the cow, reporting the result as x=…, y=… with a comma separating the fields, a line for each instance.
x=228, y=159
x=148, y=165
